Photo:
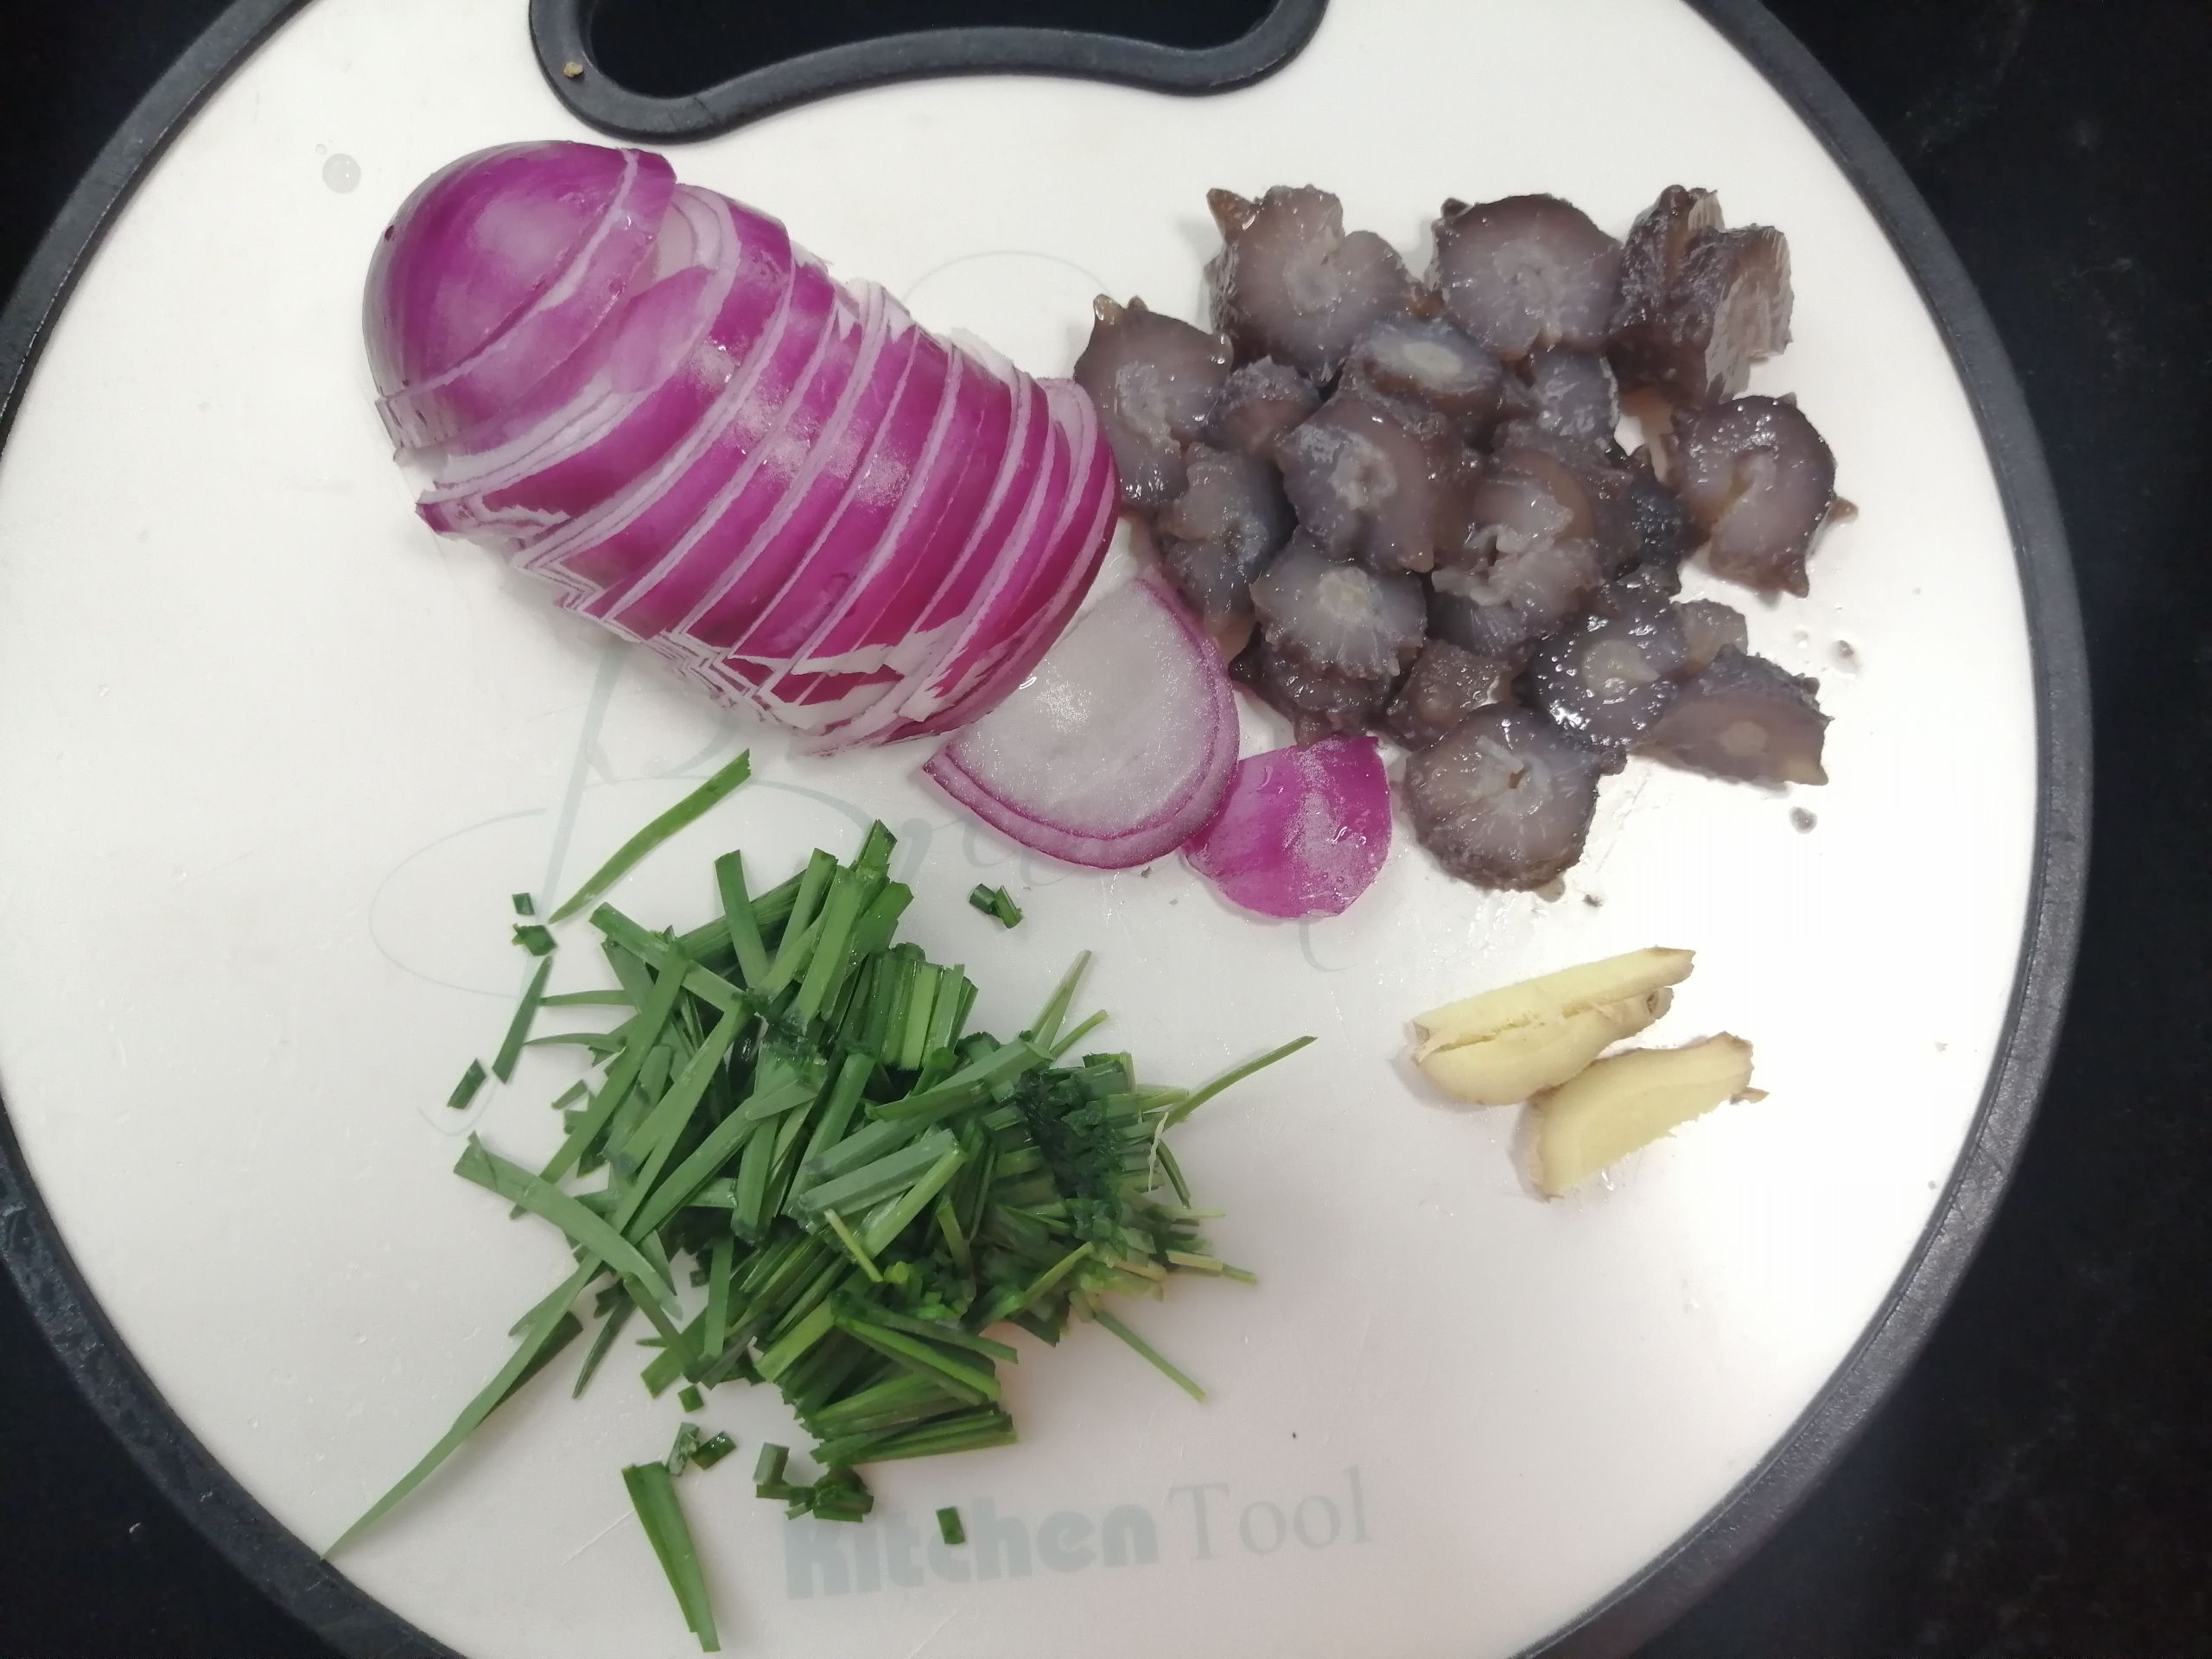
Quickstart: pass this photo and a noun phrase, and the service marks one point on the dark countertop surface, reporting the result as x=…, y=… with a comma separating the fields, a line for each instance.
x=2038, y=1485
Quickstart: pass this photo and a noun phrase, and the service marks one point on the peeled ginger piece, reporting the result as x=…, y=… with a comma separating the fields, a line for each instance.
x=1618, y=1105
x=1505, y=1045
x=1521, y=1060
x=1551, y=997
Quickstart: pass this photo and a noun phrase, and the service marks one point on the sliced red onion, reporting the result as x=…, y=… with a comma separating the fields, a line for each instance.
x=536, y=480
x=1303, y=832
x=811, y=309
x=475, y=244
x=806, y=502
x=1115, y=750
x=1077, y=547
x=595, y=280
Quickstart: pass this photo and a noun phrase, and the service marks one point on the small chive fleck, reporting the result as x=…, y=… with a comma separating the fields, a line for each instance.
x=525, y=905
x=768, y=1472
x=687, y=1442
x=691, y=1400
x=996, y=901
x=712, y=1450
x=533, y=937
x=464, y=1091
x=948, y=1527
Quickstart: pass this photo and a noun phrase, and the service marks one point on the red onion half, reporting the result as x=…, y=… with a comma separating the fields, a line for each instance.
x=647, y=398
x=1115, y=750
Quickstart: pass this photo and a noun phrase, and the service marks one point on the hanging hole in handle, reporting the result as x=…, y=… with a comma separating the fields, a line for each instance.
x=674, y=48
x=680, y=69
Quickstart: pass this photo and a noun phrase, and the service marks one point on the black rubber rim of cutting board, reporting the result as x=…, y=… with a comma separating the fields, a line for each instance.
x=350, y=1621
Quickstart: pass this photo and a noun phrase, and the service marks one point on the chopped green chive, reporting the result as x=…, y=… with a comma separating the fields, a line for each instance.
x=1206, y=1092
x=653, y=1494
x=1152, y=1354
x=739, y=916
x=768, y=1472
x=643, y=1032
x=600, y=1043
x=1047, y=1029
x=996, y=901
x=854, y=1247
x=618, y=1315
x=691, y=1400
x=525, y=905
x=588, y=1000
x=949, y=1528
x=589, y=1232
x=688, y=1439
x=534, y=937
x=464, y=1091
x=1173, y=1171
x=1079, y=1034
x=630, y=853
x=721, y=1267
x=502, y=1065
x=711, y=1450
x=538, y=1344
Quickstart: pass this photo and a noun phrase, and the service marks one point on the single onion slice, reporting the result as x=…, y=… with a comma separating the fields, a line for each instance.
x=666, y=357
x=1303, y=831
x=475, y=244
x=1115, y=750
x=596, y=280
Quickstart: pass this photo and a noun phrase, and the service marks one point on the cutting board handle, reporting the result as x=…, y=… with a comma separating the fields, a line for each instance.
x=561, y=32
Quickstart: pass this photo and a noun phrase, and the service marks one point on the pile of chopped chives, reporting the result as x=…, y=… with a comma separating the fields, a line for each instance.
x=793, y=1102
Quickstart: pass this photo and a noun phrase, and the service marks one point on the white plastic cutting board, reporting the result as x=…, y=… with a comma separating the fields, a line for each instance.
x=275, y=757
